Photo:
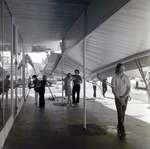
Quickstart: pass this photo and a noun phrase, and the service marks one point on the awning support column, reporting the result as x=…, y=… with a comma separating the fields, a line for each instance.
x=84, y=70
x=62, y=79
x=84, y=77
x=137, y=61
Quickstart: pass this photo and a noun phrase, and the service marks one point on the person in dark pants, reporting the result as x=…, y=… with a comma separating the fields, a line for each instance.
x=94, y=83
x=104, y=86
x=137, y=85
x=7, y=87
x=42, y=92
x=121, y=85
x=76, y=87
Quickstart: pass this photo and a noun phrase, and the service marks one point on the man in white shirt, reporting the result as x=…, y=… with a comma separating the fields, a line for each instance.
x=121, y=85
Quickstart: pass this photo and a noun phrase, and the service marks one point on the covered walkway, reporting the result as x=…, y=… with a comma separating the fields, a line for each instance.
x=93, y=39
x=59, y=127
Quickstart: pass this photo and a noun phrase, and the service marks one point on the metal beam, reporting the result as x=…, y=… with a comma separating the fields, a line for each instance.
x=128, y=62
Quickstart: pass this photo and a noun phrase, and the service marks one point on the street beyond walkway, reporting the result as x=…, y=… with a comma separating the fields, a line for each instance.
x=138, y=107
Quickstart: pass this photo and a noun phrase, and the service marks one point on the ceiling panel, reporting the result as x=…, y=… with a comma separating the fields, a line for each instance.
x=41, y=22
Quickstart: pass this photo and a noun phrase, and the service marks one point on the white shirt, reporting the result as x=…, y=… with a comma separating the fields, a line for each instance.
x=94, y=82
x=120, y=84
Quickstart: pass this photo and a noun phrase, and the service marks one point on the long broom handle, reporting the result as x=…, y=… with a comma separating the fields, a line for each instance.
x=50, y=90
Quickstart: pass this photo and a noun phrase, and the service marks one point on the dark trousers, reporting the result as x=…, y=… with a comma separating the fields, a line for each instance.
x=94, y=89
x=104, y=89
x=76, y=89
x=41, y=100
x=121, y=114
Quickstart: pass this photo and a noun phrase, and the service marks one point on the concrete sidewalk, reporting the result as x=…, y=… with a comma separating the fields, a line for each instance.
x=137, y=109
x=59, y=127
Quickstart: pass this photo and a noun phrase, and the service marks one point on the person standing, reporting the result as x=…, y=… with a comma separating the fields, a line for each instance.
x=36, y=89
x=76, y=86
x=104, y=86
x=29, y=82
x=94, y=83
x=67, y=88
x=148, y=91
x=121, y=85
x=42, y=91
x=136, y=85
x=7, y=87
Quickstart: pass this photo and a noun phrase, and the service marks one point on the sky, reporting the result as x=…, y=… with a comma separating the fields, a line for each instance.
x=37, y=57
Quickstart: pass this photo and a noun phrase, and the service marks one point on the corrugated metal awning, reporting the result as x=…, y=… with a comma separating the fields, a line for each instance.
x=120, y=38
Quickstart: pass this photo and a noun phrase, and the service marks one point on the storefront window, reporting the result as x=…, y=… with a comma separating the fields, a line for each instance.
x=1, y=69
x=6, y=65
x=20, y=70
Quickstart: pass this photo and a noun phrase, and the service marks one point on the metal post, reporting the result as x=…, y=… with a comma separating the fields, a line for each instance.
x=12, y=73
x=62, y=79
x=16, y=72
x=84, y=70
x=23, y=71
x=137, y=61
x=84, y=76
x=2, y=63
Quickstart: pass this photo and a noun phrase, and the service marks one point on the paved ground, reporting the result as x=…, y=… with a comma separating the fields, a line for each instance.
x=59, y=127
x=138, y=107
